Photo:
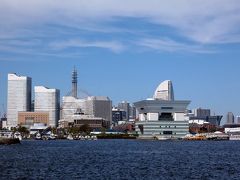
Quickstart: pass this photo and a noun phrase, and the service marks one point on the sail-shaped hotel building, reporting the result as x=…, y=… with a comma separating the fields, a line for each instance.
x=162, y=116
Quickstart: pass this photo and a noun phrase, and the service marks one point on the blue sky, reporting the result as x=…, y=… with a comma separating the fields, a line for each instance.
x=125, y=49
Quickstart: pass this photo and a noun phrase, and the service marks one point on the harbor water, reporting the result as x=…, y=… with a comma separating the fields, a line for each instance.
x=120, y=159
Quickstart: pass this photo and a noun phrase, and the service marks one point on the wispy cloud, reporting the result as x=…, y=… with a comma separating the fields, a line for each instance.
x=77, y=43
x=200, y=20
x=202, y=23
x=168, y=45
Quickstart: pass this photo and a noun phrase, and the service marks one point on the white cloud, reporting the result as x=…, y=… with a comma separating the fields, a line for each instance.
x=168, y=45
x=111, y=45
x=201, y=21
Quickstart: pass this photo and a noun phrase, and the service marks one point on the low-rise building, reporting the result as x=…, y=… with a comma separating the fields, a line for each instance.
x=28, y=119
x=93, y=122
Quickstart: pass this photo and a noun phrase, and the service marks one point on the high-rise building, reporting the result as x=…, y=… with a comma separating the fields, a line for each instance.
x=201, y=113
x=132, y=114
x=47, y=100
x=18, y=97
x=230, y=118
x=70, y=105
x=118, y=115
x=164, y=91
x=238, y=119
x=99, y=106
x=124, y=105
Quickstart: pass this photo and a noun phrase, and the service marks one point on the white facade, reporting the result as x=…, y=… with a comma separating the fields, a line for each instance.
x=70, y=105
x=232, y=130
x=164, y=91
x=162, y=116
x=47, y=100
x=18, y=97
x=98, y=106
x=179, y=116
x=152, y=116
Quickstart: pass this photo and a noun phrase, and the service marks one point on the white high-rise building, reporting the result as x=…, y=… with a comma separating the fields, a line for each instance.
x=164, y=91
x=70, y=105
x=47, y=100
x=18, y=97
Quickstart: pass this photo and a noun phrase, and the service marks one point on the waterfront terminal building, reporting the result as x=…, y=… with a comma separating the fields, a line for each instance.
x=162, y=117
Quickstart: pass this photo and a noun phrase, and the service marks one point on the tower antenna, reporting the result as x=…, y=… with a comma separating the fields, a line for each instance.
x=74, y=82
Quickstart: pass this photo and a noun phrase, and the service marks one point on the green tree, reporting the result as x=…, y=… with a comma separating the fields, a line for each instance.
x=85, y=128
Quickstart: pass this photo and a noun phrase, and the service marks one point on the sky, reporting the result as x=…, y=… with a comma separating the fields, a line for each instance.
x=124, y=49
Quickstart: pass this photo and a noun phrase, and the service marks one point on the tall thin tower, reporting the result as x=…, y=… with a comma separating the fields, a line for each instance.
x=74, y=83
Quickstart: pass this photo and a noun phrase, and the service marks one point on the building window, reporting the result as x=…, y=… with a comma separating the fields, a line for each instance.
x=167, y=132
x=166, y=107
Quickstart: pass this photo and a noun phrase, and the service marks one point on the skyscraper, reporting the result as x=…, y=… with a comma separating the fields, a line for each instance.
x=18, y=97
x=201, y=113
x=99, y=106
x=230, y=118
x=124, y=105
x=164, y=91
x=47, y=100
x=132, y=114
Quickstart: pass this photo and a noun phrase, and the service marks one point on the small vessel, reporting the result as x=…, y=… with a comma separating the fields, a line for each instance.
x=217, y=136
x=17, y=135
x=94, y=137
x=70, y=137
x=81, y=138
x=235, y=137
x=38, y=136
x=52, y=136
x=197, y=137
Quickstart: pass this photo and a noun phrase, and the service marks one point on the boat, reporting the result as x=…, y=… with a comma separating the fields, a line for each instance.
x=38, y=136
x=17, y=135
x=197, y=137
x=52, y=136
x=217, y=136
x=70, y=137
x=235, y=137
x=93, y=137
x=162, y=138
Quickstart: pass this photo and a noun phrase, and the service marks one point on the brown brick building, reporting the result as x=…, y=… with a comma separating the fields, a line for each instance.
x=29, y=118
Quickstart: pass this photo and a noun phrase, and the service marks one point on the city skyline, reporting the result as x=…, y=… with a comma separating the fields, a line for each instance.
x=124, y=50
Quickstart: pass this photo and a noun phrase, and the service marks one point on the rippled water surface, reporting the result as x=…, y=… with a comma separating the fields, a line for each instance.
x=120, y=159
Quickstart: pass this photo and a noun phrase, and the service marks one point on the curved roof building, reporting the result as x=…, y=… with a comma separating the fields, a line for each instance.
x=164, y=91
x=162, y=116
